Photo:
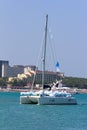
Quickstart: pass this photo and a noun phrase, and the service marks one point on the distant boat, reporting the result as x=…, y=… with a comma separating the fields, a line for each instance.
x=52, y=97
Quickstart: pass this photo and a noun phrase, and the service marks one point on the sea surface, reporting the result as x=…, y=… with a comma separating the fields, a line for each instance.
x=16, y=116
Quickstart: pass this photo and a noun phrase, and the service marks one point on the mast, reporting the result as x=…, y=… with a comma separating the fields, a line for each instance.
x=44, y=52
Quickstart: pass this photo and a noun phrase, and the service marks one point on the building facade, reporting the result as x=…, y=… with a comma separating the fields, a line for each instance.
x=4, y=65
x=21, y=72
x=8, y=71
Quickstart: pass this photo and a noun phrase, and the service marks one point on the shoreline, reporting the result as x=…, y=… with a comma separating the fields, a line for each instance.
x=78, y=91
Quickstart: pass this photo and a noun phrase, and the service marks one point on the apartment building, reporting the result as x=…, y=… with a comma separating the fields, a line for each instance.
x=7, y=71
x=3, y=68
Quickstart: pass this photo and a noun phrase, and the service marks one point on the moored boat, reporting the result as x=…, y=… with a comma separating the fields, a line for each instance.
x=52, y=97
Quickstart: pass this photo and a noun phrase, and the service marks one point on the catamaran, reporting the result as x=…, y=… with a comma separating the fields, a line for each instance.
x=52, y=97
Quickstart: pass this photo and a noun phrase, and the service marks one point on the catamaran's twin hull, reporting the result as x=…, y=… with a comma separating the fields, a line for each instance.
x=29, y=99
x=48, y=100
x=57, y=101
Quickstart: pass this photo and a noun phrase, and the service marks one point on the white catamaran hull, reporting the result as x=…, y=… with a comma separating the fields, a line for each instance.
x=48, y=100
x=29, y=99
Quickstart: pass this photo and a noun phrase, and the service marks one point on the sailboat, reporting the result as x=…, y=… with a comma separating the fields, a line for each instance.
x=47, y=97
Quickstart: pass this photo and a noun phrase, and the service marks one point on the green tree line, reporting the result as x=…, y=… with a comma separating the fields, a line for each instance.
x=72, y=82
x=75, y=82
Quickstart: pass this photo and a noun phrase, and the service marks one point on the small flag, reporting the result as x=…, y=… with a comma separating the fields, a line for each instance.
x=57, y=66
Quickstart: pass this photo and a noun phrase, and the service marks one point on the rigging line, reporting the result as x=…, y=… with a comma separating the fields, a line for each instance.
x=37, y=62
x=41, y=46
x=51, y=47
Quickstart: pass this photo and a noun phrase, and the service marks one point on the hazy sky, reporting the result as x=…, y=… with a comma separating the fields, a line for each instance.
x=22, y=25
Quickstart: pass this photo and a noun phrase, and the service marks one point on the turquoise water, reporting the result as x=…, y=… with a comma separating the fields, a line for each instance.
x=14, y=116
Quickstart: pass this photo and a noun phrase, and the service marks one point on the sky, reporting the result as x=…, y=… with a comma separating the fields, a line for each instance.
x=22, y=25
